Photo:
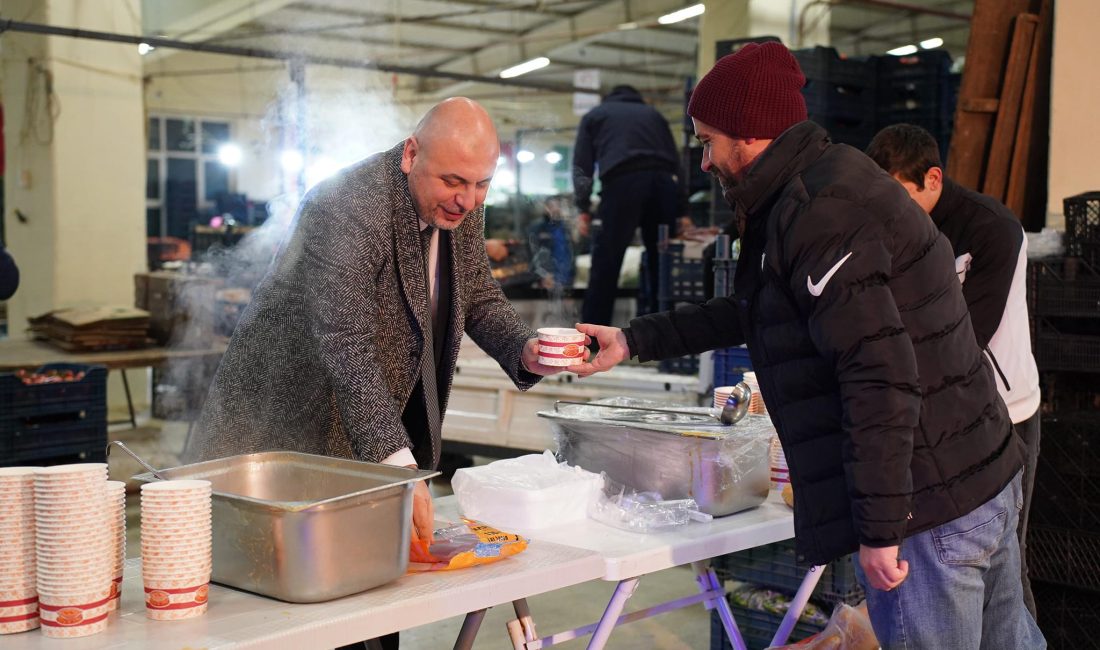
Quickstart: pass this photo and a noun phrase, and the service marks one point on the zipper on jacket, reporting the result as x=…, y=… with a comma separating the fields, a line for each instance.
x=997, y=366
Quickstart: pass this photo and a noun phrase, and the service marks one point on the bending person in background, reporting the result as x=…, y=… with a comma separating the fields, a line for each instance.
x=897, y=442
x=991, y=263
x=9, y=274
x=349, y=344
x=630, y=144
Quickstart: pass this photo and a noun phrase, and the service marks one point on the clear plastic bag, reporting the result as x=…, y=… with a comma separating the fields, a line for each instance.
x=642, y=512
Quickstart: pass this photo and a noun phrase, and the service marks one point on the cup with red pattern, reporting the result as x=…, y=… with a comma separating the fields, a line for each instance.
x=561, y=346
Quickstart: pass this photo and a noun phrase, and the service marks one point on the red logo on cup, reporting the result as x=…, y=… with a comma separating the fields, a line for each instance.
x=202, y=593
x=571, y=350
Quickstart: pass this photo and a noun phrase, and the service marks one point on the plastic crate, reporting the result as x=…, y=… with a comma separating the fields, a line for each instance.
x=680, y=279
x=1067, y=476
x=1082, y=214
x=854, y=134
x=830, y=100
x=1066, y=286
x=757, y=628
x=1066, y=344
x=825, y=64
x=775, y=566
x=1069, y=618
x=730, y=365
x=924, y=64
x=18, y=400
x=1064, y=556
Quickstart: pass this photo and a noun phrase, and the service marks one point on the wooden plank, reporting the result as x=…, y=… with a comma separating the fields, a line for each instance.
x=1008, y=109
x=1017, y=173
x=979, y=105
x=1027, y=192
x=990, y=32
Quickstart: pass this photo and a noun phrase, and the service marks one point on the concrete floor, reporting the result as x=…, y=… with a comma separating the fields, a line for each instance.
x=160, y=443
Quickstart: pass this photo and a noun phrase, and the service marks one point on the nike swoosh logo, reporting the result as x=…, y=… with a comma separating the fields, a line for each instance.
x=816, y=289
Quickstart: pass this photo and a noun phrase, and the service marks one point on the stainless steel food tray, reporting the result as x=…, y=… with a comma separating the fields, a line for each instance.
x=305, y=528
x=724, y=468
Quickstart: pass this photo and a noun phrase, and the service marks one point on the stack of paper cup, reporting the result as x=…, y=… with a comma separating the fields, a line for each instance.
x=756, y=404
x=18, y=568
x=116, y=516
x=721, y=394
x=74, y=548
x=175, y=548
x=780, y=476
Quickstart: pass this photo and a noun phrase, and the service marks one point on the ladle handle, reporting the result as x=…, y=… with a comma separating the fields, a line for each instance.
x=139, y=459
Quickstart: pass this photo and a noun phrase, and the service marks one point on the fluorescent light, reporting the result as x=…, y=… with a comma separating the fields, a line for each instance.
x=145, y=48
x=931, y=43
x=500, y=161
x=628, y=26
x=525, y=67
x=682, y=14
x=229, y=154
x=291, y=160
x=903, y=50
x=524, y=156
x=504, y=179
x=553, y=157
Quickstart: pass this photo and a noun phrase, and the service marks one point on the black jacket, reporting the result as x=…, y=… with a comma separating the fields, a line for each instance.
x=860, y=338
x=991, y=262
x=9, y=275
x=622, y=134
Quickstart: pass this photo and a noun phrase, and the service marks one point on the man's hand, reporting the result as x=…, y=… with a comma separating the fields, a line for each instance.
x=423, y=512
x=883, y=568
x=531, y=359
x=613, y=349
x=584, y=220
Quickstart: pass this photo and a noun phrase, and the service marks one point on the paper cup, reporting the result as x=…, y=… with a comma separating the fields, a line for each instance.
x=561, y=346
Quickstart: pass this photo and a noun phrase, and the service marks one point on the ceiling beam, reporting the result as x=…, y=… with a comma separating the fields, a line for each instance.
x=623, y=69
x=372, y=40
x=372, y=19
x=212, y=20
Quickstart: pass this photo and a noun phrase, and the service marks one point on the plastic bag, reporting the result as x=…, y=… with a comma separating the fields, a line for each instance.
x=849, y=628
x=1046, y=243
x=641, y=512
x=751, y=596
x=462, y=545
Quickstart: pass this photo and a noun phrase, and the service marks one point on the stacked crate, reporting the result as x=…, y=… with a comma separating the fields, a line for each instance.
x=776, y=567
x=917, y=89
x=62, y=421
x=839, y=94
x=679, y=281
x=1063, y=543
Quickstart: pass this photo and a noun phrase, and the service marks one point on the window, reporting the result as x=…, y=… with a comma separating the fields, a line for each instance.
x=183, y=175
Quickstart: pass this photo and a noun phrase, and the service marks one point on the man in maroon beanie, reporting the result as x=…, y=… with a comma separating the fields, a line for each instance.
x=898, y=444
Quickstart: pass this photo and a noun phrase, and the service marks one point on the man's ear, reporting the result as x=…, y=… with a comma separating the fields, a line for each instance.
x=409, y=153
x=933, y=179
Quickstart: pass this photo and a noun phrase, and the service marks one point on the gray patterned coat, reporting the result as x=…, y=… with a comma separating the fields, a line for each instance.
x=329, y=350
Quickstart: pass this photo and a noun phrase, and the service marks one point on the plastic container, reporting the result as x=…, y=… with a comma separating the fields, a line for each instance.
x=525, y=493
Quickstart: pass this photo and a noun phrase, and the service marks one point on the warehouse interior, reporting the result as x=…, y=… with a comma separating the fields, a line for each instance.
x=155, y=152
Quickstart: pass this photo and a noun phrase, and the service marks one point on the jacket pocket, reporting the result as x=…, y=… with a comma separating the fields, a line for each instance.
x=972, y=539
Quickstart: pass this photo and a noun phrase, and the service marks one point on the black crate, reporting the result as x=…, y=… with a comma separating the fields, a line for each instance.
x=1066, y=392
x=825, y=64
x=830, y=100
x=1069, y=345
x=919, y=65
x=775, y=566
x=1064, y=286
x=1082, y=214
x=1067, y=476
x=730, y=364
x=680, y=278
x=1069, y=618
x=854, y=134
x=688, y=365
x=1064, y=556
x=25, y=400
x=88, y=446
x=757, y=628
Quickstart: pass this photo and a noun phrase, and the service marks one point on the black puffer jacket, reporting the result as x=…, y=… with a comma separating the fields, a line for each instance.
x=847, y=297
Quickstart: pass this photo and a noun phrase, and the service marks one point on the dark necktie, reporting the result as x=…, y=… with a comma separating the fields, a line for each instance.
x=428, y=376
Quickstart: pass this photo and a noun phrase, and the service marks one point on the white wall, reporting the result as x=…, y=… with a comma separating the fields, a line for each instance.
x=1075, y=96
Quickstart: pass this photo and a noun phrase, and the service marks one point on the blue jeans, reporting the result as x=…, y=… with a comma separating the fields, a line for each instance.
x=964, y=590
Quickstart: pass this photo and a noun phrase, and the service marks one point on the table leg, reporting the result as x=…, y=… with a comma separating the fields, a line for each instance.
x=809, y=583
x=708, y=581
x=470, y=626
x=129, y=400
x=623, y=592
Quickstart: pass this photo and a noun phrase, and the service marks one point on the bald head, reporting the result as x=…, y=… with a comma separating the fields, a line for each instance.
x=449, y=160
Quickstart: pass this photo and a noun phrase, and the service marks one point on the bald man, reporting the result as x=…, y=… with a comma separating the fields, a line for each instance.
x=349, y=344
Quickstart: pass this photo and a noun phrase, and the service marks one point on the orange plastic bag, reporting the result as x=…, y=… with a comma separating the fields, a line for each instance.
x=467, y=544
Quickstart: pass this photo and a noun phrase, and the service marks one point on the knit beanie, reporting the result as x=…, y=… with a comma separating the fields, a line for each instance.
x=752, y=93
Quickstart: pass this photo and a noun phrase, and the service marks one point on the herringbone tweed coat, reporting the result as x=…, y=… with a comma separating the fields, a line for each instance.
x=328, y=352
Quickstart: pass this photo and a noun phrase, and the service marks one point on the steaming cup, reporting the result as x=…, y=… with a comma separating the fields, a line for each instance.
x=561, y=346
